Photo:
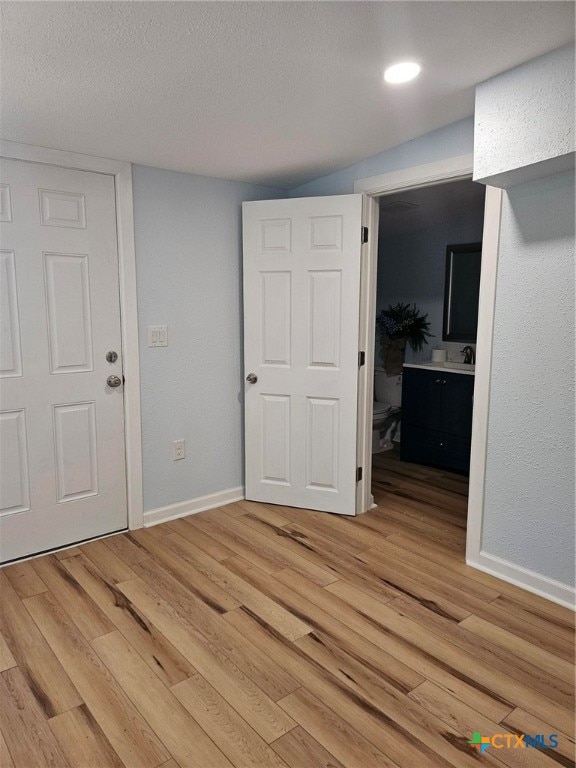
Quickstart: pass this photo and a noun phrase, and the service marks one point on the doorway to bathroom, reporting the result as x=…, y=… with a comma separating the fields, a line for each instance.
x=428, y=280
x=425, y=433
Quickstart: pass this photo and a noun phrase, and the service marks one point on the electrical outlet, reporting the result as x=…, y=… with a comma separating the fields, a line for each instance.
x=179, y=450
x=157, y=335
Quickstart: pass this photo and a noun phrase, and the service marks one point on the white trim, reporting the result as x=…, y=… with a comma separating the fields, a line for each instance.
x=369, y=256
x=32, y=154
x=193, y=506
x=439, y=172
x=521, y=577
x=130, y=347
x=483, y=372
x=122, y=173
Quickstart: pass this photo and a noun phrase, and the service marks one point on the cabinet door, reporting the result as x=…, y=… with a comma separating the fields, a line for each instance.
x=457, y=402
x=436, y=449
x=421, y=398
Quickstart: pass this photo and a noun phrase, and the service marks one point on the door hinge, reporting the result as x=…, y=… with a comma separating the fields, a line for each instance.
x=364, y=235
x=358, y=474
x=361, y=359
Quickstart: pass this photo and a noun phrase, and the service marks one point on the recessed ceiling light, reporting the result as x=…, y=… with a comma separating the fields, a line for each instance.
x=402, y=73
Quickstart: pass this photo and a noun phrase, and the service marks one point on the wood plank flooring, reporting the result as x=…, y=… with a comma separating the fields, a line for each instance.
x=257, y=636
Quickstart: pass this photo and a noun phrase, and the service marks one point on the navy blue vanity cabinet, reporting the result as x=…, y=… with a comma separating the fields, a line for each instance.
x=437, y=418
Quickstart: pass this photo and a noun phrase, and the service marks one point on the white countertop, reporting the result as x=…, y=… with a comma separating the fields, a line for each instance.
x=446, y=367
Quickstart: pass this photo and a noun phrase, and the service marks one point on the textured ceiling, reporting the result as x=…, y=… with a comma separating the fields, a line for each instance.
x=273, y=92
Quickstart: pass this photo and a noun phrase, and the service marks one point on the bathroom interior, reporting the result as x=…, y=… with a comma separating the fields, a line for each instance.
x=429, y=257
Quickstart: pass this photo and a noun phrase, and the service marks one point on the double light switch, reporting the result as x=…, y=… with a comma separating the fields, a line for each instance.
x=157, y=335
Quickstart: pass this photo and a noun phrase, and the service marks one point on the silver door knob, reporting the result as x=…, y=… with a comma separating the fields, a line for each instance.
x=113, y=381
x=252, y=378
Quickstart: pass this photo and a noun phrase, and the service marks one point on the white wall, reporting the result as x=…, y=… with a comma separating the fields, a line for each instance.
x=529, y=496
x=525, y=121
x=188, y=251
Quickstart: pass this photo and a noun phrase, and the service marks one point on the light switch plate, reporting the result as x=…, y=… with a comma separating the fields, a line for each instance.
x=157, y=335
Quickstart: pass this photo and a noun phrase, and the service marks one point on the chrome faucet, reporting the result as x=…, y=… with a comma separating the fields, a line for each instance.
x=469, y=355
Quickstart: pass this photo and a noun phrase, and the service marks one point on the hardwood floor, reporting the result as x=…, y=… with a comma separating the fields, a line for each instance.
x=270, y=637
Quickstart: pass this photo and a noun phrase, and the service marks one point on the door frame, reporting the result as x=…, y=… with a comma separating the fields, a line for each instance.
x=366, y=341
x=441, y=172
x=122, y=175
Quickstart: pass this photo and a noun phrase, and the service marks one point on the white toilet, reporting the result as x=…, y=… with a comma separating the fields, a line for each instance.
x=387, y=401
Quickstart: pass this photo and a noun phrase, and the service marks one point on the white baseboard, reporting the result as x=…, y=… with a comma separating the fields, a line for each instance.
x=192, y=506
x=521, y=577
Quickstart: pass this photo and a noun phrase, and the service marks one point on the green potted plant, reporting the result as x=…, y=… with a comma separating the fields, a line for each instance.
x=396, y=326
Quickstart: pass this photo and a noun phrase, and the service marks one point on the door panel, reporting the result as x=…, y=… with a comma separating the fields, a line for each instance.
x=276, y=331
x=325, y=293
x=76, y=451
x=301, y=329
x=276, y=439
x=14, y=463
x=62, y=427
x=5, y=203
x=69, y=319
x=10, y=351
x=61, y=209
x=323, y=446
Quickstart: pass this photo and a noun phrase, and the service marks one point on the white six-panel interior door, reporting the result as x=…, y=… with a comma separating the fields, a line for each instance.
x=301, y=339
x=61, y=425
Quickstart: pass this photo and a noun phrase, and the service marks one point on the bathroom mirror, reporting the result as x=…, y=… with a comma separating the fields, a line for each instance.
x=461, y=292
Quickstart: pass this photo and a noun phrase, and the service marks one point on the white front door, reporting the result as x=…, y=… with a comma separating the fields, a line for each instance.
x=301, y=331
x=62, y=456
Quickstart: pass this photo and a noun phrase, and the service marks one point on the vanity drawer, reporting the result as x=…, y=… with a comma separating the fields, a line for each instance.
x=439, y=449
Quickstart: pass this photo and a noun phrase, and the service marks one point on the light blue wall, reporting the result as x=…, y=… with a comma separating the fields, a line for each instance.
x=188, y=252
x=453, y=140
x=529, y=497
x=529, y=493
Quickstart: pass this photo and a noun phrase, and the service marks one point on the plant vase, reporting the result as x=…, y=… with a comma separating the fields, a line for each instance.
x=394, y=351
